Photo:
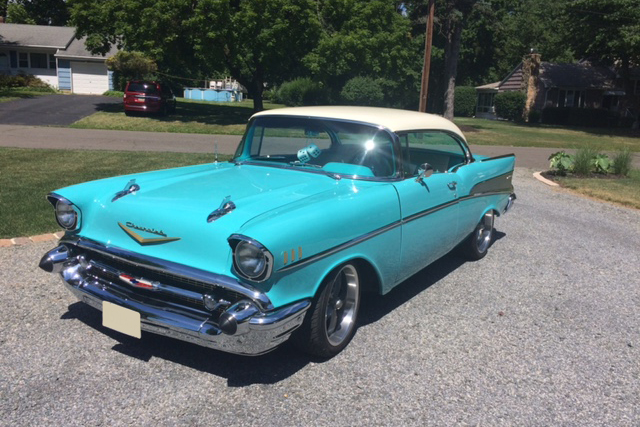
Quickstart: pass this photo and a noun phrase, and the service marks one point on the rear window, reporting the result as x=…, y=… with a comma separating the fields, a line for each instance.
x=148, y=88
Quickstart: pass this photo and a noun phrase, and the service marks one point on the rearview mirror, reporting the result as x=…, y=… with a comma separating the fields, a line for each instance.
x=425, y=170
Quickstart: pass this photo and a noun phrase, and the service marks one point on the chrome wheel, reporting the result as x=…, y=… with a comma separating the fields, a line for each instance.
x=484, y=232
x=342, y=305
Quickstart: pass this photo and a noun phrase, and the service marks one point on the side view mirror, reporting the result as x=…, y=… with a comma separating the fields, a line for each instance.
x=425, y=170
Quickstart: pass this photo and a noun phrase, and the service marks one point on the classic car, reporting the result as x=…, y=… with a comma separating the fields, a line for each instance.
x=317, y=206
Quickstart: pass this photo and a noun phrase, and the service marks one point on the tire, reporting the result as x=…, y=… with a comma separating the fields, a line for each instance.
x=128, y=113
x=331, y=321
x=477, y=245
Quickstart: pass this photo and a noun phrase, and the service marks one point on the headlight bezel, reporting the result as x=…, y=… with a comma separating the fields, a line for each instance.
x=238, y=242
x=59, y=203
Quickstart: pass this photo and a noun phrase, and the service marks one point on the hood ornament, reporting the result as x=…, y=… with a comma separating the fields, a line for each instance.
x=131, y=187
x=143, y=240
x=225, y=207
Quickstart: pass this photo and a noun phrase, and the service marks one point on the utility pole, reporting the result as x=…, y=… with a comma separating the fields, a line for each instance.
x=424, y=87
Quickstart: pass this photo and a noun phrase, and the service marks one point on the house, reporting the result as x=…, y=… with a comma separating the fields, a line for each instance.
x=54, y=55
x=582, y=85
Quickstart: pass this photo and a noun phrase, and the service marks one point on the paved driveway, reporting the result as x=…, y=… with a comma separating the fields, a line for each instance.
x=545, y=330
x=53, y=110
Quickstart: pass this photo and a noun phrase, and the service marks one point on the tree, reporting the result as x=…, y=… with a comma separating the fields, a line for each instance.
x=367, y=39
x=257, y=41
x=130, y=66
x=39, y=12
x=158, y=28
x=609, y=31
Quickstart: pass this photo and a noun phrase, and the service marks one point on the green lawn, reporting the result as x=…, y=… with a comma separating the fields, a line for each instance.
x=494, y=132
x=10, y=94
x=221, y=118
x=27, y=175
x=624, y=191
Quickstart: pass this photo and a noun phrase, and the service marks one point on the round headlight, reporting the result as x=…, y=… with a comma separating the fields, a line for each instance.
x=66, y=216
x=250, y=260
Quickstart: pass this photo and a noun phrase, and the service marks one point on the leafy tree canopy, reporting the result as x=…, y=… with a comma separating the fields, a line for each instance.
x=40, y=12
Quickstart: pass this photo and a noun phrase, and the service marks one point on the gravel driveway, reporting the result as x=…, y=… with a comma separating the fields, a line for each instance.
x=544, y=331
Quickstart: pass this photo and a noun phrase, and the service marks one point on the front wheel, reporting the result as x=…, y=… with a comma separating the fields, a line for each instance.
x=331, y=323
x=477, y=244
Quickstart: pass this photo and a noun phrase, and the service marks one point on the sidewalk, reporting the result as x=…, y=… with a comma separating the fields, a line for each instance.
x=89, y=139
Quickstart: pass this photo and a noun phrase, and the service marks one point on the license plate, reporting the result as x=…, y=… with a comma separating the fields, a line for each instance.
x=121, y=319
x=139, y=99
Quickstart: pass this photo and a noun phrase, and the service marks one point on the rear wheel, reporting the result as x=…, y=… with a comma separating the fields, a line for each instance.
x=477, y=244
x=331, y=323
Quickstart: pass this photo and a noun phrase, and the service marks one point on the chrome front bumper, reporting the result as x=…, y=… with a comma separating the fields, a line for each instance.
x=249, y=326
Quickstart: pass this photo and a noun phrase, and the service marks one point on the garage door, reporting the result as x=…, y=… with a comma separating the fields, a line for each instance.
x=89, y=77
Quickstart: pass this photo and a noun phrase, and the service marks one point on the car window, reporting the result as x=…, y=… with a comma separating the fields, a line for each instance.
x=338, y=147
x=440, y=149
x=148, y=88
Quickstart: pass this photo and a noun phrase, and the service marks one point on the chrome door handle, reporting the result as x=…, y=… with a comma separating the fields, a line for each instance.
x=452, y=185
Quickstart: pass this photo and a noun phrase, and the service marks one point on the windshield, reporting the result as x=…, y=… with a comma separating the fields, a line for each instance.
x=344, y=148
x=148, y=88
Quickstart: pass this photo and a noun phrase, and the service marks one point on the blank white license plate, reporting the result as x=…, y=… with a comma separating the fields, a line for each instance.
x=121, y=319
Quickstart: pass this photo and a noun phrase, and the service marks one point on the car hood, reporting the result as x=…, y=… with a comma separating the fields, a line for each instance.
x=174, y=205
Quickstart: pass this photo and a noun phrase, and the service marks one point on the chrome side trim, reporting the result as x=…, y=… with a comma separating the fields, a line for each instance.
x=180, y=270
x=342, y=246
x=503, y=156
x=429, y=211
x=384, y=229
x=497, y=184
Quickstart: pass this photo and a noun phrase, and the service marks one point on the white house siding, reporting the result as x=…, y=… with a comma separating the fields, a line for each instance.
x=47, y=76
x=89, y=77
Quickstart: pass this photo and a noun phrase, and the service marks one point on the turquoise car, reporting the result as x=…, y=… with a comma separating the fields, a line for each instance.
x=317, y=206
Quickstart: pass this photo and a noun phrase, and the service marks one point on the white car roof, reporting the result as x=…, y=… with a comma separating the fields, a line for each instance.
x=392, y=119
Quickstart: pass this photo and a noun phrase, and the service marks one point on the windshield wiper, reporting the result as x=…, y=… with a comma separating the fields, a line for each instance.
x=298, y=163
x=317, y=167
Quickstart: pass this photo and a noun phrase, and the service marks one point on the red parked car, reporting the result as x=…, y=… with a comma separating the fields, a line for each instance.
x=148, y=97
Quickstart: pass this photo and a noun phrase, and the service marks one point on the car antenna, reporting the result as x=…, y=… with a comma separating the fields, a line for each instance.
x=215, y=151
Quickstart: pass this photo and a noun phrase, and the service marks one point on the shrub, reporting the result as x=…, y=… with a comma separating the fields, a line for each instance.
x=622, y=162
x=302, y=91
x=583, y=161
x=465, y=101
x=362, y=91
x=510, y=105
x=562, y=162
x=24, y=81
x=601, y=164
x=114, y=93
x=574, y=116
x=534, y=116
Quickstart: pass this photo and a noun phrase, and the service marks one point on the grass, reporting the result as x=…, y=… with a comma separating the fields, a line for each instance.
x=624, y=191
x=27, y=175
x=494, y=132
x=221, y=118
x=11, y=94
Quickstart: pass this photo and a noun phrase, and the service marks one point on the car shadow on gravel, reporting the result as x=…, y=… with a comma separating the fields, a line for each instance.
x=272, y=367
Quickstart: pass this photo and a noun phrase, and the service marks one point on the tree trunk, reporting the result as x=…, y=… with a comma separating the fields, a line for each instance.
x=630, y=100
x=452, y=52
x=258, y=89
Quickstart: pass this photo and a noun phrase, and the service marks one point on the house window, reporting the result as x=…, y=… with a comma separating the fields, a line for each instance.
x=52, y=61
x=23, y=60
x=571, y=98
x=39, y=60
x=485, y=102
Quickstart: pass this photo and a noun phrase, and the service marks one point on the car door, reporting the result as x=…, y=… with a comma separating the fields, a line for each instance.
x=430, y=210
